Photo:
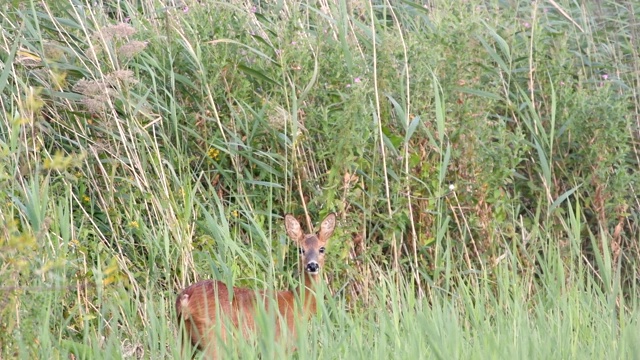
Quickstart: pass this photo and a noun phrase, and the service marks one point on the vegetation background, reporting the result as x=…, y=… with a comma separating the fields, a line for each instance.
x=482, y=157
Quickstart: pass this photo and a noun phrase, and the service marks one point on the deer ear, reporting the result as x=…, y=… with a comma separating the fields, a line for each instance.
x=293, y=228
x=327, y=226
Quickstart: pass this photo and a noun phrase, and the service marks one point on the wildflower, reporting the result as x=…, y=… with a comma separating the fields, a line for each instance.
x=452, y=187
x=117, y=31
x=213, y=153
x=58, y=78
x=34, y=101
x=134, y=224
x=95, y=94
x=126, y=76
x=60, y=161
x=132, y=48
x=526, y=25
x=90, y=88
x=605, y=76
x=94, y=105
x=86, y=199
x=357, y=80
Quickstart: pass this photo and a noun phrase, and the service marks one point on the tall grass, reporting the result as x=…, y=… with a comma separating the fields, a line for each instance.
x=482, y=158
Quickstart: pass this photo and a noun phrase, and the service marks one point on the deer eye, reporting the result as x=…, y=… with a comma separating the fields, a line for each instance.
x=301, y=251
x=321, y=250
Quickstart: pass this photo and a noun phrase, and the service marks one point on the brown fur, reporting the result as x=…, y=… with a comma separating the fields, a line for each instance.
x=208, y=304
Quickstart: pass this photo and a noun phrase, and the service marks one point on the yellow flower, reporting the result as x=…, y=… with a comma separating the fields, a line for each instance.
x=134, y=224
x=213, y=153
x=74, y=243
x=59, y=161
x=58, y=79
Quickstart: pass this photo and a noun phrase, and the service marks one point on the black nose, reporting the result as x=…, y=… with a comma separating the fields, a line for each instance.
x=312, y=267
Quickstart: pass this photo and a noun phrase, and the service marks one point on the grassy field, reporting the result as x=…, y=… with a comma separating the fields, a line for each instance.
x=482, y=158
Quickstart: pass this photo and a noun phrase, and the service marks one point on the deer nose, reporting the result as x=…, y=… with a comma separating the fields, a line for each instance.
x=312, y=267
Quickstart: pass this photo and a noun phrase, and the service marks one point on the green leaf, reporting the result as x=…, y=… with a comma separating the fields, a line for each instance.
x=257, y=74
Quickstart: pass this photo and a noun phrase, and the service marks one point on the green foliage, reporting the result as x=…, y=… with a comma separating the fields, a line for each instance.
x=481, y=156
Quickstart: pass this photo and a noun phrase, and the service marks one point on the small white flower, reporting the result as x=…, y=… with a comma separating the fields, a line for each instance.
x=452, y=187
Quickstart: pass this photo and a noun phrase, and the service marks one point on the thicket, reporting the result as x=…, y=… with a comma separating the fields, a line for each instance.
x=146, y=144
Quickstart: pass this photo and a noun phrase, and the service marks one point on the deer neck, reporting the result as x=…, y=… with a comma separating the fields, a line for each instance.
x=307, y=293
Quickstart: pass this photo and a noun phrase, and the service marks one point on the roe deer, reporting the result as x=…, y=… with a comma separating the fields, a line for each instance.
x=204, y=304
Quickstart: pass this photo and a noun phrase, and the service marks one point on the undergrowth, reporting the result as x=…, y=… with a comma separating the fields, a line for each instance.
x=481, y=157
